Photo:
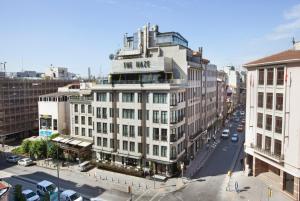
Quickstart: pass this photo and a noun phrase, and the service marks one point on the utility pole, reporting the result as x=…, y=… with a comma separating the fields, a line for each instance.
x=57, y=165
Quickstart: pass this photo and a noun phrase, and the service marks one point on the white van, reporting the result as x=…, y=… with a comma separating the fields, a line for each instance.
x=69, y=195
x=85, y=166
x=44, y=187
x=225, y=134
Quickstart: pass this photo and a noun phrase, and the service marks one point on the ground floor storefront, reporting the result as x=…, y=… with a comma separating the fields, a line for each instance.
x=288, y=183
x=148, y=166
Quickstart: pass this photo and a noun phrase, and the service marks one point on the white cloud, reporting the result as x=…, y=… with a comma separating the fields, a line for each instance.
x=290, y=27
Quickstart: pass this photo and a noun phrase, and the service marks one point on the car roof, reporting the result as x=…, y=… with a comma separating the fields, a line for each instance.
x=235, y=134
x=45, y=183
x=226, y=130
x=27, y=191
x=68, y=192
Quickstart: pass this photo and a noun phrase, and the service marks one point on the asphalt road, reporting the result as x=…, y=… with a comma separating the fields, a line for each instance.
x=208, y=183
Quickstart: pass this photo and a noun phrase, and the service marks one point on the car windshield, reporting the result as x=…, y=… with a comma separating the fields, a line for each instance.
x=27, y=159
x=51, y=188
x=74, y=196
x=29, y=195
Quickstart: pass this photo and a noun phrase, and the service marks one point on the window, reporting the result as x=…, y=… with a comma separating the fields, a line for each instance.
x=148, y=149
x=268, y=122
x=288, y=183
x=269, y=102
x=111, y=112
x=83, y=131
x=139, y=97
x=104, y=113
x=159, y=98
x=139, y=147
x=125, y=130
x=259, y=120
x=163, y=151
x=164, y=119
x=147, y=113
x=82, y=120
x=98, y=112
x=259, y=140
x=270, y=76
x=98, y=127
x=118, y=128
x=267, y=143
x=155, y=150
x=89, y=109
x=139, y=114
x=140, y=130
x=278, y=125
x=90, y=132
x=132, y=146
x=76, y=119
x=128, y=97
x=101, y=96
x=280, y=76
x=112, y=143
x=155, y=116
x=76, y=130
x=90, y=121
x=260, y=101
x=82, y=108
x=147, y=131
x=277, y=147
x=261, y=78
x=104, y=142
x=279, y=101
x=164, y=136
x=98, y=141
x=125, y=145
x=131, y=131
x=155, y=133
x=76, y=108
x=104, y=125
x=128, y=113
x=118, y=144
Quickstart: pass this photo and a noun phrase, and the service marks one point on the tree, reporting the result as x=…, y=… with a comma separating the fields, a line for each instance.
x=18, y=196
x=47, y=197
x=26, y=144
x=53, y=149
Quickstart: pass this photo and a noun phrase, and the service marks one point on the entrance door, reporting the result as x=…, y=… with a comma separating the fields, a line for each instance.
x=288, y=182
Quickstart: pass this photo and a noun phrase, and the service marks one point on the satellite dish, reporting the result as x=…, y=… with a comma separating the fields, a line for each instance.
x=111, y=56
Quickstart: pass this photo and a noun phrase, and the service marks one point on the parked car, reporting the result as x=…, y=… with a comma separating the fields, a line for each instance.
x=225, y=134
x=70, y=195
x=44, y=187
x=85, y=166
x=243, y=121
x=234, y=138
x=25, y=162
x=240, y=128
x=13, y=159
x=30, y=195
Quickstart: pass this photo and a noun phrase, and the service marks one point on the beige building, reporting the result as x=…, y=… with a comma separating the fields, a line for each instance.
x=272, y=118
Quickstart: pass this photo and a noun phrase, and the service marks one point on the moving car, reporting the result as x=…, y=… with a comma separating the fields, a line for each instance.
x=13, y=159
x=234, y=138
x=30, y=195
x=240, y=128
x=44, y=187
x=25, y=162
x=225, y=133
x=70, y=195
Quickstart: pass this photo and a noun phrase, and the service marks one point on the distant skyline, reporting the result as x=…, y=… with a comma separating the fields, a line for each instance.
x=78, y=34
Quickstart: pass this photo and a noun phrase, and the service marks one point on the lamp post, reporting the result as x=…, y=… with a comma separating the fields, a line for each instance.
x=182, y=166
x=57, y=165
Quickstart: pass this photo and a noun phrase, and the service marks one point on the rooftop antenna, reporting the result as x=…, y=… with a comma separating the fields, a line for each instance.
x=89, y=73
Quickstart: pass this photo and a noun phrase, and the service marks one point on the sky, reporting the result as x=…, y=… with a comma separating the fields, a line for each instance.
x=78, y=34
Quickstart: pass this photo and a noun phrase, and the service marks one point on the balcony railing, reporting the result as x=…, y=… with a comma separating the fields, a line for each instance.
x=277, y=156
x=81, y=98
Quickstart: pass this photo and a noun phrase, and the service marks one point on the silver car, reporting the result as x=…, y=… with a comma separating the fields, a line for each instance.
x=25, y=162
x=13, y=159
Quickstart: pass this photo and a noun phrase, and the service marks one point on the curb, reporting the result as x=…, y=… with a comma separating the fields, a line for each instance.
x=237, y=153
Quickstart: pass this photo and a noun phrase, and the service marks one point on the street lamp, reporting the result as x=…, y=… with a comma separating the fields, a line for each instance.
x=182, y=166
x=57, y=166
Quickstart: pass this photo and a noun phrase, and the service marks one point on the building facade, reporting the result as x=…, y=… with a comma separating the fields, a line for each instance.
x=272, y=118
x=19, y=105
x=233, y=88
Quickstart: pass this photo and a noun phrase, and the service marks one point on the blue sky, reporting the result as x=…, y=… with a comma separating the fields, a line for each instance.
x=82, y=33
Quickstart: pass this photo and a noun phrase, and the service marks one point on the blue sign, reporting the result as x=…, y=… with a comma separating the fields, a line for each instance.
x=45, y=133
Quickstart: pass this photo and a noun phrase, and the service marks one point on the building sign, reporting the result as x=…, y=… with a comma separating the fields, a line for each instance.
x=45, y=133
x=138, y=64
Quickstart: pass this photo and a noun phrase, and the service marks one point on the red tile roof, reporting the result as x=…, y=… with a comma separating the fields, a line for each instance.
x=281, y=57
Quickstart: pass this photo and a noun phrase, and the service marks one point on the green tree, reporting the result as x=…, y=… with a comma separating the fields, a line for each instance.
x=26, y=145
x=47, y=197
x=18, y=196
x=53, y=149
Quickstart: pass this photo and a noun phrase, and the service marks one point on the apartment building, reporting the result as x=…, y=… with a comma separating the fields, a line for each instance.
x=19, y=104
x=233, y=88
x=149, y=113
x=221, y=95
x=272, y=118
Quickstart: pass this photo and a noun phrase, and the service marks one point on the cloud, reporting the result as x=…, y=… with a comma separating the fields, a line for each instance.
x=290, y=27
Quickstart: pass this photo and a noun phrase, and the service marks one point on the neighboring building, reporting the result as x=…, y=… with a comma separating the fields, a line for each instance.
x=243, y=87
x=233, y=88
x=59, y=73
x=272, y=118
x=19, y=104
x=54, y=111
x=221, y=96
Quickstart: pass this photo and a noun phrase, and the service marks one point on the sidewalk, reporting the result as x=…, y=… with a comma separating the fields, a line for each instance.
x=250, y=189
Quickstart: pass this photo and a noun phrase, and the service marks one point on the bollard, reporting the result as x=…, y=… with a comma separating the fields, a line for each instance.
x=112, y=179
x=106, y=178
x=146, y=186
x=139, y=185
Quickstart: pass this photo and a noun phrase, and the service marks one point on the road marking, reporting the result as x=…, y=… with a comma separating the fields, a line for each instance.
x=156, y=194
x=142, y=195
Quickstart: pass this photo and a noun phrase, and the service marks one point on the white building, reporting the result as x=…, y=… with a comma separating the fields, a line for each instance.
x=233, y=89
x=272, y=119
x=59, y=73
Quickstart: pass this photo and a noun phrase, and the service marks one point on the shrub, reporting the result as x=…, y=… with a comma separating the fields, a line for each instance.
x=26, y=145
x=123, y=170
x=18, y=196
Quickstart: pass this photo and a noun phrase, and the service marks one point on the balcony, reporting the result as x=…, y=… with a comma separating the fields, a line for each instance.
x=274, y=156
x=81, y=98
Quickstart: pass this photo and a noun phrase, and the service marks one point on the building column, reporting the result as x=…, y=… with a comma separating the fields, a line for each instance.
x=296, y=188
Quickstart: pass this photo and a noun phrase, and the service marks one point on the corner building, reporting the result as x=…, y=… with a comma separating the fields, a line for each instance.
x=272, y=119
